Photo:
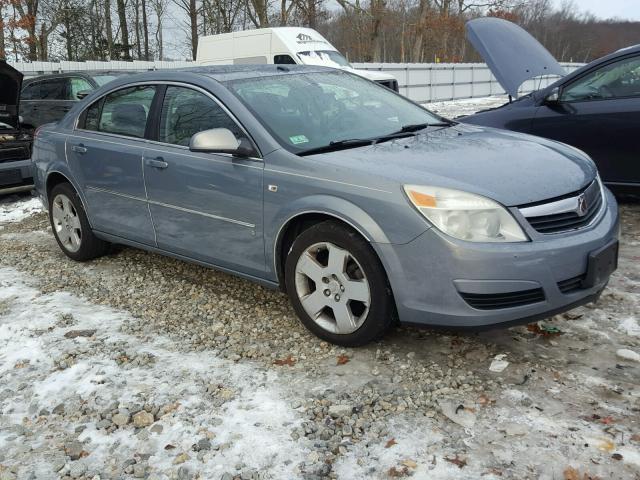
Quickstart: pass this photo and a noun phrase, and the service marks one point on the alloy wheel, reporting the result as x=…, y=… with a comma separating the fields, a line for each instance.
x=332, y=288
x=66, y=223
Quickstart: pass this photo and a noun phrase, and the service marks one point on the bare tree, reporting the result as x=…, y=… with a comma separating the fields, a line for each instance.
x=160, y=8
x=109, y=28
x=124, y=30
x=3, y=52
x=191, y=9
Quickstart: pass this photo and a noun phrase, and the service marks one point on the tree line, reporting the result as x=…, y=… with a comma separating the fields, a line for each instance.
x=364, y=30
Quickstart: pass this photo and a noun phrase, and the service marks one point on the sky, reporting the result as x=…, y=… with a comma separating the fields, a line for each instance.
x=624, y=9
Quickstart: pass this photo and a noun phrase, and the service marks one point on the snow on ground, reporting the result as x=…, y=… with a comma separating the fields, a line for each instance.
x=455, y=108
x=59, y=353
x=15, y=208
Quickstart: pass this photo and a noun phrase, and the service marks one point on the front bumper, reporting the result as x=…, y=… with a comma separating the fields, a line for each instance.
x=16, y=176
x=428, y=274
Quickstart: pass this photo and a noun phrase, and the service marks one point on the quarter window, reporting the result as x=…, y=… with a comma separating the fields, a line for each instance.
x=619, y=79
x=186, y=112
x=124, y=112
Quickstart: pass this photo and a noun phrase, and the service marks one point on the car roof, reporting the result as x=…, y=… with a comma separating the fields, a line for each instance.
x=225, y=73
x=77, y=73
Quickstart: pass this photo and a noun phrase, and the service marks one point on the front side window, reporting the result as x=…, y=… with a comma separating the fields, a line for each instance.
x=311, y=110
x=186, y=112
x=124, y=112
x=619, y=79
x=283, y=60
x=79, y=84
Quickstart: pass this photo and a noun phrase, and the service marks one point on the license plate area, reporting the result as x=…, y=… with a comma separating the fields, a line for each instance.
x=602, y=263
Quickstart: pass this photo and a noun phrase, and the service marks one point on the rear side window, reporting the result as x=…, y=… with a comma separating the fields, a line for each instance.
x=54, y=89
x=123, y=112
x=186, y=112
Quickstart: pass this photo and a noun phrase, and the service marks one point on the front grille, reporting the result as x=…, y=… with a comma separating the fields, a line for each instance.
x=13, y=153
x=492, y=301
x=571, y=284
x=569, y=215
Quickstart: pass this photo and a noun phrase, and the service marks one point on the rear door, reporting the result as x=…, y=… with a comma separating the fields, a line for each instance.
x=206, y=206
x=600, y=113
x=105, y=153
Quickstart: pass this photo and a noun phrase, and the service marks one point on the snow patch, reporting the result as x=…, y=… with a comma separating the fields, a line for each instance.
x=19, y=210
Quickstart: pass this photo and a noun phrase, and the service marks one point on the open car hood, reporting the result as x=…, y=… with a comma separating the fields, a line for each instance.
x=10, y=86
x=511, y=53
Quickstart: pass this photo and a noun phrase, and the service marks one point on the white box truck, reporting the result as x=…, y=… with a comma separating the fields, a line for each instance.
x=281, y=45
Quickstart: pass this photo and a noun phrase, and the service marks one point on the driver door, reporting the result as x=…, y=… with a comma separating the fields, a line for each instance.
x=205, y=206
x=599, y=113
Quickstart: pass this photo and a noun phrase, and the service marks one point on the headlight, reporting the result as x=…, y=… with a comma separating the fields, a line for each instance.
x=465, y=215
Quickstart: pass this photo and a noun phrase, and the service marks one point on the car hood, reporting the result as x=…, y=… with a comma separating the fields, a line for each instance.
x=511, y=53
x=9, y=95
x=511, y=168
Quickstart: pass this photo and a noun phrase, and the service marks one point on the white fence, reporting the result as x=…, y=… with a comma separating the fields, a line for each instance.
x=432, y=82
x=421, y=82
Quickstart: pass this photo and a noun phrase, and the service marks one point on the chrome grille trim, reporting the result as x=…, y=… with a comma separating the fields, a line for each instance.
x=565, y=214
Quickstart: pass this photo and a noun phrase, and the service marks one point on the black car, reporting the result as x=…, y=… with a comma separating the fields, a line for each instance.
x=15, y=142
x=595, y=108
x=48, y=98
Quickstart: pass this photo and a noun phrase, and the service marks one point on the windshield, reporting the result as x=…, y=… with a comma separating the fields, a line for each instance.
x=311, y=110
x=327, y=58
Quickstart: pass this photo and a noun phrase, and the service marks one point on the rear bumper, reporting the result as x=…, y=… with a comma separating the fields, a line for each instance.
x=16, y=176
x=429, y=274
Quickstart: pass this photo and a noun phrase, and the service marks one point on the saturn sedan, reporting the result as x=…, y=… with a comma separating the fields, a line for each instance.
x=364, y=207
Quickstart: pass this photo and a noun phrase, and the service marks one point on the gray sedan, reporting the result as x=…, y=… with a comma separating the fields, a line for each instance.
x=363, y=206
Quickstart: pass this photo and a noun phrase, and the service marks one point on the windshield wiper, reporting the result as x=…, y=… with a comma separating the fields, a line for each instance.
x=338, y=145
x=405, y=131
x=421, y=126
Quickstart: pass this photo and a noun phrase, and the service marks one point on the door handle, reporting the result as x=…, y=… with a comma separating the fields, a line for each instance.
x=79, y=148
x=156, y=163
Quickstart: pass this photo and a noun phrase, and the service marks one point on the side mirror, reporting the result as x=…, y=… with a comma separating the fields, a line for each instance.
x=82, y=93
x=221, y=140
x=553, y=97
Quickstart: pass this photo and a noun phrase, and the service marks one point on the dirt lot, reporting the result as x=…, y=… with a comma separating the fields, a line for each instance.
x=140, y=366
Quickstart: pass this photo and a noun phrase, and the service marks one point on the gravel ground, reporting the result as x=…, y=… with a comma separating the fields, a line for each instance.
x=141, y=366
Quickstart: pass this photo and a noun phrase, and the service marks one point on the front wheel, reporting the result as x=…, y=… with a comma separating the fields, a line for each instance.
x=338, y=286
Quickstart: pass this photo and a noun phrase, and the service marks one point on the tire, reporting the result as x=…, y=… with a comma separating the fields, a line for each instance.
x=71, y=227
x=338, y=286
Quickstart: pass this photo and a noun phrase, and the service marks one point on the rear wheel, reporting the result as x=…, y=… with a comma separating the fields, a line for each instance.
x=337, y=285
x=71, y=227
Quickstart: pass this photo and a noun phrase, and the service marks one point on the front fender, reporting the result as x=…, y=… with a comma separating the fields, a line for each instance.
x=332, y=206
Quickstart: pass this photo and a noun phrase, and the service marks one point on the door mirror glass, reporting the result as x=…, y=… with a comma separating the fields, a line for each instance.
x=220, y=140
x=553, y=96
x=82, y=93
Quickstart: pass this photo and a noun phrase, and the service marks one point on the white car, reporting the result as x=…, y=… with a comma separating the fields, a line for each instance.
x=283, y=45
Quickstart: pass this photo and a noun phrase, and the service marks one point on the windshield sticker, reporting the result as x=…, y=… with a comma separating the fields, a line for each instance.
x=298, y=139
